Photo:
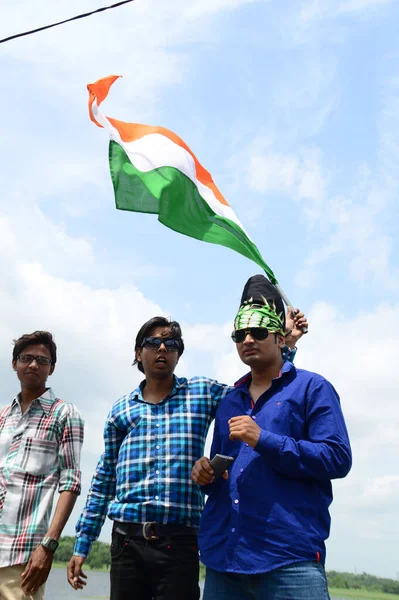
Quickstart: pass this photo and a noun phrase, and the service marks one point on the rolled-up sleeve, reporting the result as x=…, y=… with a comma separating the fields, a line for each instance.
x=71, y=440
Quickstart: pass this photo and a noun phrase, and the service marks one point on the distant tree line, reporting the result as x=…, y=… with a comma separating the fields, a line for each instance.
x=362, y=581
x=100, y=557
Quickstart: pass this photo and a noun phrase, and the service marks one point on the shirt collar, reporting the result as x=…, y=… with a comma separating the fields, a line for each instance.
x=46, y=400
x=137, y=394
x=244, y=382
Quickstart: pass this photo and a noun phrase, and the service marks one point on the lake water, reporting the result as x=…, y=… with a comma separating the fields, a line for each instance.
x=58, y=588
x=97, y=588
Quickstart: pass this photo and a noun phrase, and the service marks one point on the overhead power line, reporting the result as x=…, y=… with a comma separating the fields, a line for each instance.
x=82, y=16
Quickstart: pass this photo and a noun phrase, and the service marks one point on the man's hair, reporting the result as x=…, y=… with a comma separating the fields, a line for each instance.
x=37, y=337
x=173, y=326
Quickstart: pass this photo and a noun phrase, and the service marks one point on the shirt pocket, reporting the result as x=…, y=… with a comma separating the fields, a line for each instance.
x=39, y=456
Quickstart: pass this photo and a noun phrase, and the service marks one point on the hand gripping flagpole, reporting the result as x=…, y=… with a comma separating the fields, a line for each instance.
x=288, y=303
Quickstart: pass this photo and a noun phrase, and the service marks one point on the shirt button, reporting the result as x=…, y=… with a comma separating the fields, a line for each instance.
x=241, y=470
x=156, y=497
x=157, y=425
x=157, y=447
x=235, y=501
x=233, y=529
x=157, y=472
x=246, y=444
x=254, y=418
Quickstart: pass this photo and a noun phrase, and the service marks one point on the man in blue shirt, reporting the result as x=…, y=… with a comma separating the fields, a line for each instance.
x=152, y=438
x=263, y=528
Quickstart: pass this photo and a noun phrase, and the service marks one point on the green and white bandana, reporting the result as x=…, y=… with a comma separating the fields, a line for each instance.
x=259, y=315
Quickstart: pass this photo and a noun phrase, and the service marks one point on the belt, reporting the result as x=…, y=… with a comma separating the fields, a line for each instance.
x=150, y=530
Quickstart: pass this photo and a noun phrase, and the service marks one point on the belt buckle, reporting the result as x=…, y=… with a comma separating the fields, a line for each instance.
x=147, y=525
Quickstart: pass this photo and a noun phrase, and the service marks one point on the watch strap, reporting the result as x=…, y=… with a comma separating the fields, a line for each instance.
x=49, y=543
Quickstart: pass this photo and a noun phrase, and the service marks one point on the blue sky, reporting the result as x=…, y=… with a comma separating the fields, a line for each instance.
x=293, y=107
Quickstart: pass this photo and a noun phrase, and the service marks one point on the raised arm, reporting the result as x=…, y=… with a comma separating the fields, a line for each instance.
x=295, y=321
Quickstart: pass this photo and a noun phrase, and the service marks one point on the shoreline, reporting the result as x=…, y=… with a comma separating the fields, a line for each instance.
x=341, y=593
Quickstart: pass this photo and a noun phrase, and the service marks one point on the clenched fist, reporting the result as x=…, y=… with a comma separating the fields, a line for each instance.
x=244, y=429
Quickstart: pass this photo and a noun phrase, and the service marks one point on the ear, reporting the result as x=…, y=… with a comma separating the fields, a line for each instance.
x=14, y=364
x=138, y=355
x=280, y=340
x=51, y=371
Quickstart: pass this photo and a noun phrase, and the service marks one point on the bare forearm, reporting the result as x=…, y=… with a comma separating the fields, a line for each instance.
x=63, y=510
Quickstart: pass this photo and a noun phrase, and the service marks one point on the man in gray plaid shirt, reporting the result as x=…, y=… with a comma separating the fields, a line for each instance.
x=40, y=443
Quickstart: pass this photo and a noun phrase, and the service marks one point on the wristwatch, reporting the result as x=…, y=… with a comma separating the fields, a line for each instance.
x=49, y=543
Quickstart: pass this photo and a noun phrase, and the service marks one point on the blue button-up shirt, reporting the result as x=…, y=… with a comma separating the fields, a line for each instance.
x=273, y=509
x=144, y=473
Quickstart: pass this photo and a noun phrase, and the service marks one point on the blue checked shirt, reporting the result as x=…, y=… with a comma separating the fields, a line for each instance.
x=144, y=473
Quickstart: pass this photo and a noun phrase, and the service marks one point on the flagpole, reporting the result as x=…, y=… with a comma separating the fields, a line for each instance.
x=287, y=302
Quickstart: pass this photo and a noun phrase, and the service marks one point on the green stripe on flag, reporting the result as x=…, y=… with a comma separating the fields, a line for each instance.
x=168, y=192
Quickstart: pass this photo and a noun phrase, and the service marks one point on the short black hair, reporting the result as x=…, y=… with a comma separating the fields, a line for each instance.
x=37, y=337
x=175, y=332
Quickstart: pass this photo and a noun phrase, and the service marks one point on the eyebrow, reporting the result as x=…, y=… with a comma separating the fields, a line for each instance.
x=163, y=335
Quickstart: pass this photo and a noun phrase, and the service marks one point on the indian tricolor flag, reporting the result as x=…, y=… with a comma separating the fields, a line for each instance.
x=154, y=171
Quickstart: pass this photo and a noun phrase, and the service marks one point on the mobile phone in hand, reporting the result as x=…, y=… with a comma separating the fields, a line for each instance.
x=220, y=463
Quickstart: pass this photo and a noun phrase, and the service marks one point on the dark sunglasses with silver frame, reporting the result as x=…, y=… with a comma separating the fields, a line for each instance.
x=257, y=333
x=154, y=343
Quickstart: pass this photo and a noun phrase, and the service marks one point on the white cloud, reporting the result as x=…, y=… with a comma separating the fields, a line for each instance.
x=52, y=246
x=312, y=10
x=271, y=173
x=305, y=278
x=353, y=222
x=142, y=41
x=207, y=7
x=381, y=491
x=350, y=6
x=323, y=9
x=298, y=177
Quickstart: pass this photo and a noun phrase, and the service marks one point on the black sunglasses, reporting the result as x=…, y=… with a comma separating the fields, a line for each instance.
x=154, y=343
x=258, y=333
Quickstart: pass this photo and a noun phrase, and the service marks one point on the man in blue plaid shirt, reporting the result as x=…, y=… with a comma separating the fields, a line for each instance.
x=152, y=437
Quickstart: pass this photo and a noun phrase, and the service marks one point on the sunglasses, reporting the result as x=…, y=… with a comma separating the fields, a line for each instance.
x=154, y=343
x=257, y=333
x=29, y=358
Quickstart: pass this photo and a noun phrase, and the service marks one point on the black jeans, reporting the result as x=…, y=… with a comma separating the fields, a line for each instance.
x=163, y=569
